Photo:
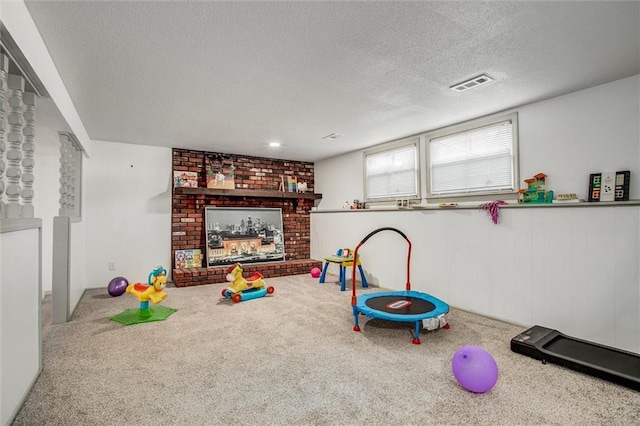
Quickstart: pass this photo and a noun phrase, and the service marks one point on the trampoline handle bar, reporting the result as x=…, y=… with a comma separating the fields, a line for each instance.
x=380, y=230
x=355, y=257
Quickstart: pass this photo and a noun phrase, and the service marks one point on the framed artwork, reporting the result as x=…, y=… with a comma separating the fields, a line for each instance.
x=609, y=186
x=220, y=171
x=244, y=235
x=182, y=179
x=188, y=258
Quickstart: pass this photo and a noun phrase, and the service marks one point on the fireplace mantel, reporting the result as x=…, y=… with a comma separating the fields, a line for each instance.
x=247, y=193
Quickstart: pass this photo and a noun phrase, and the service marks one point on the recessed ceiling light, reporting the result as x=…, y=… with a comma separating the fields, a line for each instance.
x=471, y=83
x=274, y=144
x=332, y=136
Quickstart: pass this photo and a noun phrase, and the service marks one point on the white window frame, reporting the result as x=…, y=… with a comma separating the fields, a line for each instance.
x=392, y=146
x=504, y=194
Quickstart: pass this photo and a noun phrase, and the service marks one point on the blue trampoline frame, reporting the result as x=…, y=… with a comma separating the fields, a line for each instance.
x=359, y=305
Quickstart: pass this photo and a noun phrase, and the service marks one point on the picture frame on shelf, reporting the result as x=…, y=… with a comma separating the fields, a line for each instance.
x=191, y=258
x=220, y=171
x=292, y=183
x=182, y=179
x=609, y=186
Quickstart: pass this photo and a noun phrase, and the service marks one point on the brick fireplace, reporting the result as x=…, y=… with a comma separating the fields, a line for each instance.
x=257, y=182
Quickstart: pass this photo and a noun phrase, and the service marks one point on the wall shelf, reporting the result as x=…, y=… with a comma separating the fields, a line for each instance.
x=434, y=207
x=246, y=193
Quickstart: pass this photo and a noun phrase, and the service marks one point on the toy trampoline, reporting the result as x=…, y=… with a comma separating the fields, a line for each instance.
x=401, y=306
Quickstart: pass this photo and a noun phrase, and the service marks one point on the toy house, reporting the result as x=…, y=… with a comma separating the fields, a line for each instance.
x=536, y=190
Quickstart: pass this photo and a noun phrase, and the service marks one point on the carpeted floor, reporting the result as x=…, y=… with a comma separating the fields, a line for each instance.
x=293, y=359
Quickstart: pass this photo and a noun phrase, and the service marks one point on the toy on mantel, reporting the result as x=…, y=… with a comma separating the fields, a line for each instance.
x=245, y=288
x=536, y=191
x=145, y=293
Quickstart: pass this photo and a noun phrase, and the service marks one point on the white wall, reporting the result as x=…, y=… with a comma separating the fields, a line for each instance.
x=567, y=138
x=20, y=361
x=128, y=211
x=570, y=268
x=593, y=130
x=574, y=269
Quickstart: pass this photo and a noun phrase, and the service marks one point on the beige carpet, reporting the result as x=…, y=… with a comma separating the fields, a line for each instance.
x=293, y=359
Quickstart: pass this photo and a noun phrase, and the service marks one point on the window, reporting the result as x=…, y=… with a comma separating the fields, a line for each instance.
x=392, y=171
x=476, y=158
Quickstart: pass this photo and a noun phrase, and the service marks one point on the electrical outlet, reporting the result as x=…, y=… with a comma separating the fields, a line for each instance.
x=112, y=266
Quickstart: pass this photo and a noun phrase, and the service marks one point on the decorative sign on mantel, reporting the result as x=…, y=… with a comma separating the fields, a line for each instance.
x=219, y=171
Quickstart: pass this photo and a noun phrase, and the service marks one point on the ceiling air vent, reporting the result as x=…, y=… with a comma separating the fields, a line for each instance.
x=470, y=84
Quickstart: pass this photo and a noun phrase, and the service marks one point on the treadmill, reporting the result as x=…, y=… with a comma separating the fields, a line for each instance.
x=615, y=365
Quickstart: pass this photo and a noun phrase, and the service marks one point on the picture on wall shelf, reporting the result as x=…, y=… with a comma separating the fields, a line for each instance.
x=188, y=258
x=292, y=183
x=220, y=171
x=623, y=179
x=243, y=235
x=185, y=179
x=609, y=186
x=594, y=186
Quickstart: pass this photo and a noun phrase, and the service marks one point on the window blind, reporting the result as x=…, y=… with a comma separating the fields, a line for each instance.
x=392, y=173
x=477, y=160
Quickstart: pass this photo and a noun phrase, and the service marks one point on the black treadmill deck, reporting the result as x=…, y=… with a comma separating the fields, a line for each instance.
x=616, y=365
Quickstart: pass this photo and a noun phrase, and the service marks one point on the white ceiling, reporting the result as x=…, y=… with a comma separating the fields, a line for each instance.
x=233, y=76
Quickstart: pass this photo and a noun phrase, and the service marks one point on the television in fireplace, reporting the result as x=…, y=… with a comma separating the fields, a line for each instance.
x=243, y=235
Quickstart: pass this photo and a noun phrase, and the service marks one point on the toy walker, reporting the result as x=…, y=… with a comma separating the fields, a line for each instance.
x=241, y=288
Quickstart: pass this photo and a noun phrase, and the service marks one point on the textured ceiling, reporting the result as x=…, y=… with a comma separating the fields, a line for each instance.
x=233, y=76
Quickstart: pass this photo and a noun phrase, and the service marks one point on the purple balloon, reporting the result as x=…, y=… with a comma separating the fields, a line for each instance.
x=117, y=286
x=474, y=368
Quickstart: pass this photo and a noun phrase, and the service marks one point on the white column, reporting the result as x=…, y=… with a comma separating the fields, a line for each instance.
x=14, y=138
x=67, y=175
x=4, y=69
x=28, y=149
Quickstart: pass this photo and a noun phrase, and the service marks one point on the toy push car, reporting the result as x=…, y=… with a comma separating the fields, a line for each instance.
x=245, y=288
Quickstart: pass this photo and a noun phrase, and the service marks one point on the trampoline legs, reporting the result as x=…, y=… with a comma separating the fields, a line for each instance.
x=416, y=334
x=356, y=327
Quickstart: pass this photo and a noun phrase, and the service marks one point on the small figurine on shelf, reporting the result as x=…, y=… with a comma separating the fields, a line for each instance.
x=535, y=192
x=302, y=187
